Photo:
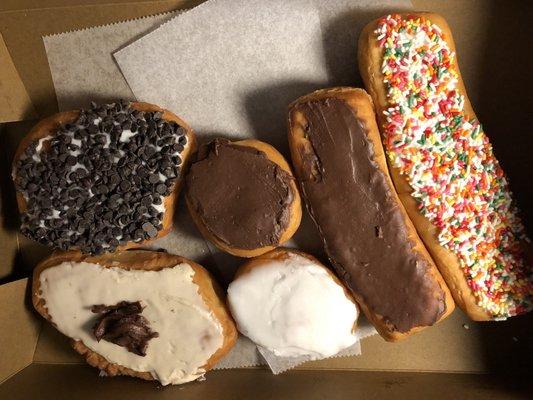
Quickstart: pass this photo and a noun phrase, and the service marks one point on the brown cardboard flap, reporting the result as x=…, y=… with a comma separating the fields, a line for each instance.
x=54, y=348
x=19, y=330
x=23, y=31
x=422, y=352
x=60, y=382
x=455, y=345
x=24, y=5
x=15, y=104
x=447, y=347
x=18, y=254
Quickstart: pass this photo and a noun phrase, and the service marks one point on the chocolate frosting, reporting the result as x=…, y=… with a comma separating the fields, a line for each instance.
x=362, y=227
x=241, y=196
x=123, y=325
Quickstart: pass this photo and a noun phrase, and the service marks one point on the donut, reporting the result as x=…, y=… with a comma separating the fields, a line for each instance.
x=242, y=196
x=145, y=314
x=289, y=303
x=443, y=165
x=101, y=179
x=340, y=166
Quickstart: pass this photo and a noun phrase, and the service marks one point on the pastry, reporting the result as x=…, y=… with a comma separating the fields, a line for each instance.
x=146, y=314
x=339, y=162
x=101, y=179
x=443, y=165
x=289, y=303
x=242, y=196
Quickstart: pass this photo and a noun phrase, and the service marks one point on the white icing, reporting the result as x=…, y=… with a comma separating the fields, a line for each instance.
x=159, y=207
x=189, y=334
x=77, y=165
x=293, y=307
x=107, y=139
x=126, y=135
x=40, y=142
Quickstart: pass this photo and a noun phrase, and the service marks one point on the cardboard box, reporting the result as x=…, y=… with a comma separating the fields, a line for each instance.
x=456, y=359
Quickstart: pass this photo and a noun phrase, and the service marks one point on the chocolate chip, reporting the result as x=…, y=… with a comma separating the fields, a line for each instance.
x=161, y=189
x=46, y=203
x=142, y=209
x=153, y=178
x=126, y=125
x=149, y=150
x=125, y=185
x=176, y=160
x=146, y=201
x=177, y=148
x=149, y=229
x=138, y=234
x=32, y=187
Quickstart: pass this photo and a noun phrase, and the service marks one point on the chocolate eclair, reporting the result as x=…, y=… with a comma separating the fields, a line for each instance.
x=101, y=179
x=242, y=196
x=372, y=244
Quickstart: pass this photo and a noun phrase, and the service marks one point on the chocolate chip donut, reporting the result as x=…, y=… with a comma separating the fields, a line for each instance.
x=103, y=178
x=242, y=196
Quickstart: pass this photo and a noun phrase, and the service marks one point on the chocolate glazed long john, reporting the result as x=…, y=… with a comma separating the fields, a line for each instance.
x=341, y=168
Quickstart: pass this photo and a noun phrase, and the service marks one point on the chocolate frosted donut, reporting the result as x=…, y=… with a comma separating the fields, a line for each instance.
x=373, y=246
x=101, y=178
x=242, y=196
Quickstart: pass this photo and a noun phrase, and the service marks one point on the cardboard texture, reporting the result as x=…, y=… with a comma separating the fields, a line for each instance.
x=488, y=35
x=15, y=104
x=66, y=382
x=20, y=329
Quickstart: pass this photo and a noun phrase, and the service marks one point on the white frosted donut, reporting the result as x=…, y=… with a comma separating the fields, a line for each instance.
x=289, y=303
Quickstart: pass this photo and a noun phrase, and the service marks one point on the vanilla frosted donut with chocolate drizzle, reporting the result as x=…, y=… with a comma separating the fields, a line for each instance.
x=146, y=314
x=289, y=303
x=443, y=165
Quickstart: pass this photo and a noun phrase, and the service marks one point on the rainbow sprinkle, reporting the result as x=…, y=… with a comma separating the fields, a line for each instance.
x=446, y=157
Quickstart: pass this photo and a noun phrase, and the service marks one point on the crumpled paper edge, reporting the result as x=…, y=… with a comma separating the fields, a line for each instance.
x=244, y=349
x=279, y=365
x=171, y=19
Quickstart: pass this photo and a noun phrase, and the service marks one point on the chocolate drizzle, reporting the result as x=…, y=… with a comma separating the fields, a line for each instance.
x=241, y=196
x=361, y=224
x=123, y=325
